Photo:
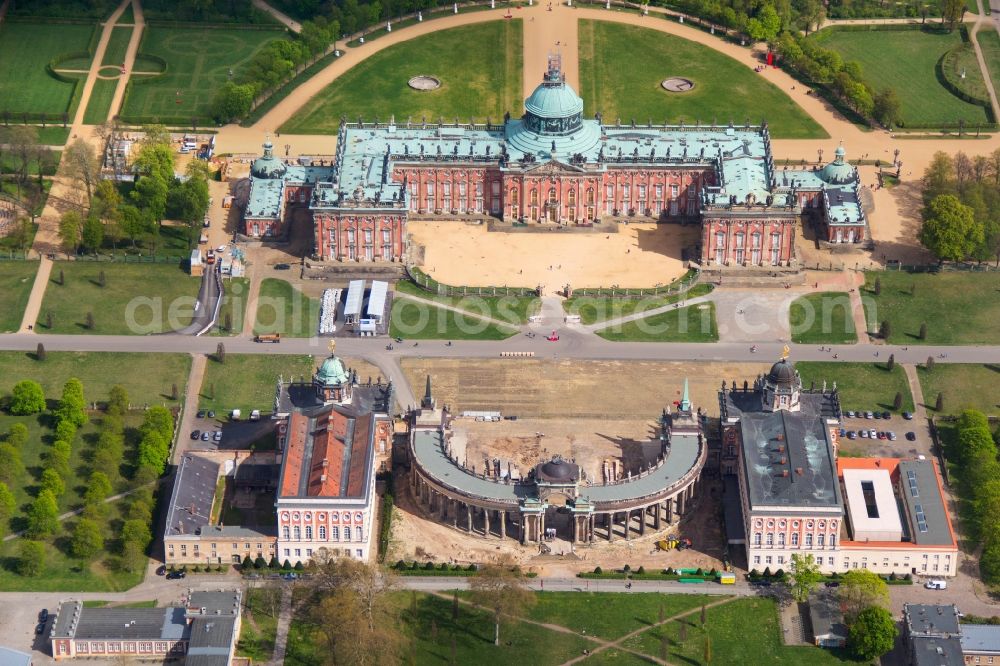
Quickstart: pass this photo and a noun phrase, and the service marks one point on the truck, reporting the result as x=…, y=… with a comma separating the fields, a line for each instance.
x=267, y=337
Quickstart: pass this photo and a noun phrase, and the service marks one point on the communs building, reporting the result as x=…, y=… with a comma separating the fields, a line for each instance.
x=553, y=166
x=786, y=491
x=202, y=631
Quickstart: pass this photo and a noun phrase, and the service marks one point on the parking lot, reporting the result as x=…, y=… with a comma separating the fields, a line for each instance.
x=901, y=447
x=215, y=433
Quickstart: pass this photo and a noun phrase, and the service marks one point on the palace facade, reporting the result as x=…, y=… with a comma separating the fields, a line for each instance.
x=552, y=166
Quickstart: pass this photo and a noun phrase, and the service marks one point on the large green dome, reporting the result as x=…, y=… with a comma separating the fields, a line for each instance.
x=268, y=166
x=838, y=172
x=554, y=101
x=332, y=372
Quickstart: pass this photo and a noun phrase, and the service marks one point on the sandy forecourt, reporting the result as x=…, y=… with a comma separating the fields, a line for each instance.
x=639, y=255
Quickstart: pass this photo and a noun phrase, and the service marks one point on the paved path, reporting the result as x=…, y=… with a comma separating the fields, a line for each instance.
x=192, y=393
x=545, y=32
x=252, y=301
x=919, y=409
x=289, y=23
x=652, y=312
x=980, y=20
x=133, y=48
x=34, y=306
x=858, y=310
x=284, y=622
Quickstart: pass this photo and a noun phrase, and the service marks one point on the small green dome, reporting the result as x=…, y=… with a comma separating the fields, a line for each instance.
x=268, y=166
x=332, y=372
x=838, y=172
x=554, y=100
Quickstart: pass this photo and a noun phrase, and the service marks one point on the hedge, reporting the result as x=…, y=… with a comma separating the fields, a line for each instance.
x=385, y=524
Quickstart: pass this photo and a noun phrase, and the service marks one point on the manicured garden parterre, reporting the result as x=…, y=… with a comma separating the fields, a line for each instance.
x=198, y=63
x=694, y=323
x=25, y=85
x=136, y=299
x=822, y=319
x=959, y=307
x=862, y=386
x=480, y=78
x=622, y=66
x=907, y=61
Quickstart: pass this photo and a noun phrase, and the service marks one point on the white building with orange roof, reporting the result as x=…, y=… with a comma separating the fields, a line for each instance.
x=328, y=433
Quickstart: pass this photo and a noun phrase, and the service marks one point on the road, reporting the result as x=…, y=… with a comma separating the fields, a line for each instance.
x=209, y=299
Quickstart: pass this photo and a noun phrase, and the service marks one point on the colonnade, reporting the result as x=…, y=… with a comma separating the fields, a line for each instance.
x=528, y=525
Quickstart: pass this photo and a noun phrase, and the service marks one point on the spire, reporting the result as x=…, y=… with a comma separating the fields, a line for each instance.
x=686, y=398
x=428, y=401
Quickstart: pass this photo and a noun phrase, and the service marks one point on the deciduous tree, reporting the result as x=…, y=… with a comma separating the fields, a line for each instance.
x=872, y=634
x=88, y=540
x=27, y=398
x=859, y=589
x=950, y=230
x=805, y=576
x=31, y=559
x=43, y=516
x=501, y=588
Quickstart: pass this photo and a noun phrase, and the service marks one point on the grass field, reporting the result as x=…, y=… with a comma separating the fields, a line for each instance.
x=25, y=86
x=199, y=60
x=137, y=299
x=247, y=381
x=53, y=135
x=101, y=96
x=862, y=386
x=480, y=77
x=259, y=626
x=146, y=377
x=731, y=641
x=417, y=321
x=989, y=43
x=617, y=78
x=972, y=302
x=114, y=54
x=822, y=319
x=511, y=309
x=16, y=279
x=281, y=308
x=965, y=386
x=906, y=60
x=695, y=323
x=233, y=310
x=593, y=309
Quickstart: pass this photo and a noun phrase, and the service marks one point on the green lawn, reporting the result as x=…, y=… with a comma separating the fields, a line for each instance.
x=432, y=630
x=247, y=381
x=53, y=135
x=971, y=300
x=593, y=309
x=480, y=77
x=417, y=321
x=281, y=308
x=862, y=386
x=695, y=323
x=101, y=96
x=742, y=631
x=621, y=67
x=148, y=378
x=233, y=310
x=117, y=46
x=511, y=309
x=965, y=386
x=137, y=299
x=906, y=60
x=989, y=43
x=609, y=615
x=198, y=63
x=25, y=85
x=128, y=16
x=259, y=625
x=16, y=279
x=823, y=318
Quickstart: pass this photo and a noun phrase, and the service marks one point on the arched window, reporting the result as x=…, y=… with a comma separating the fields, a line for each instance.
x=795, y=538
x=590, y=196
x=322, y=532
x=571, y=198
x=513, y=196
x=756, y=538
x=770, y=538
x=781, y=538
x=298, y=533
x=534, y=197
x=309, y=532
x=285, y=533
x=552, y=195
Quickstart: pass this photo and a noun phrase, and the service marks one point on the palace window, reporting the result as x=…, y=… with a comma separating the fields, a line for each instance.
x=819, y=540
x=495, y=188
x=720, y=239
x=610, y=192
x=298, y=533
x=775, y=248
x=809, y=541
x=674, y=190
x=461, y=189
x=386, y=236
x=590, y=196
x=642, y=193
x=335, y=534
x=347, y=534
x=534, y=197
x=781, y=538
x=795, y=539
x=513, y=197
x=770, y=538
x=368, y=236
x=322, y=532
x=659, y=191
x=571, y=198
x=309, y=532
x=739, y=239
x=756, y=538
x=552, y=195
x=627, y=192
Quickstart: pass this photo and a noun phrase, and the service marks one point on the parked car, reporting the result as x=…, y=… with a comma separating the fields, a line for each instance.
x=43, y=615
x=205, y=436
x=200, y=414
x=863, y=433
x=911, y=436
x=936, y=584
x=849, y=414
x=872, y=434
x=843, y=432
x=892, y=436
x=281, y=267
x=195, y=434
x=40, y=629
x=211, y=414
x=161, y=570
x=908, y=416
x=886, y=415
x=176, y=575
x=851, y=434
x=869, y=415
x=217, y=436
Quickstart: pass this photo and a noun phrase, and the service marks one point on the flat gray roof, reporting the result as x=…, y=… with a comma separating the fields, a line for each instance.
x=827, y=618
x=12, y=657
x=226, y=601
x=980, y=637
x=130, y=623
x=931, y=619
x=685, y=453
x=192, y=496
x=924, y=507
x=937, y=651
x=788, y=460
x=355, y=294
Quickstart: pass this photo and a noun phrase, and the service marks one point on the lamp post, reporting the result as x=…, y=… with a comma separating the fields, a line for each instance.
x=820, y=153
